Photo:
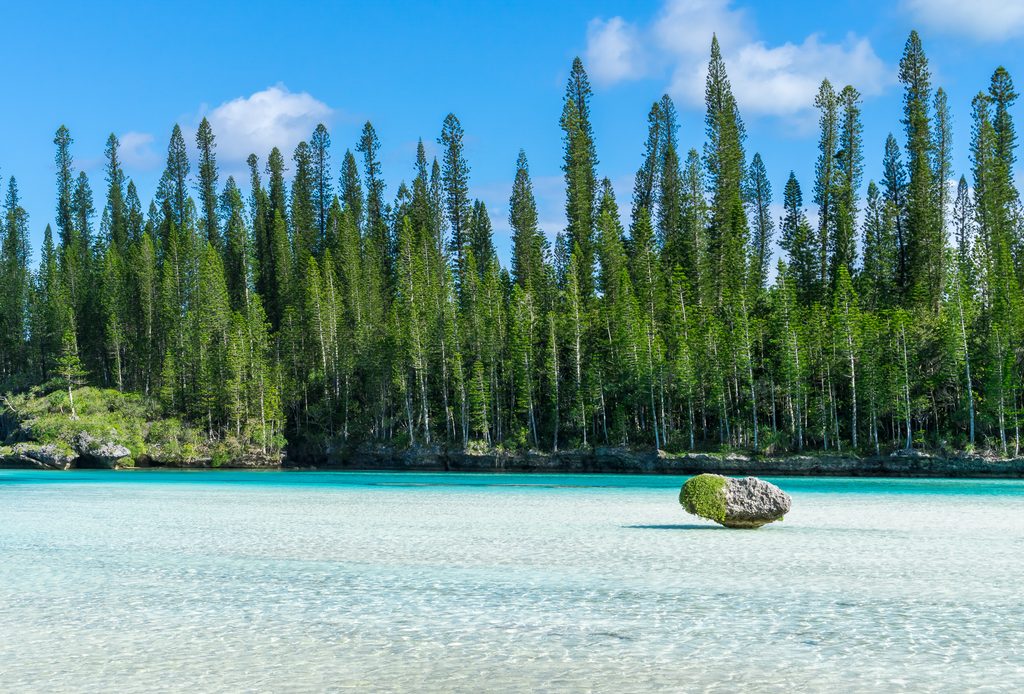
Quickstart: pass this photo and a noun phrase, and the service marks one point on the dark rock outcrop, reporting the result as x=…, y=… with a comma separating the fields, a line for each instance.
x=735, y=503
x=35, y=456
x=93, y=452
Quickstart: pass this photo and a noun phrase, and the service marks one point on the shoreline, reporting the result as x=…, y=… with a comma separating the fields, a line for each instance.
x=624, y=461
x=597, y=461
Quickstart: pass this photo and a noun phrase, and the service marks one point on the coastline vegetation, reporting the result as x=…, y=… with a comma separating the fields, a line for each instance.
x=246, y=315
x=40, y=416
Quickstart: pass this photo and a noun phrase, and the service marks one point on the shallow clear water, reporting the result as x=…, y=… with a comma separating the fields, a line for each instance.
x=297, y=581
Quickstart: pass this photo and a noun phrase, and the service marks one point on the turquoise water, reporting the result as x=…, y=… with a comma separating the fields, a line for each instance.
x=304, y=581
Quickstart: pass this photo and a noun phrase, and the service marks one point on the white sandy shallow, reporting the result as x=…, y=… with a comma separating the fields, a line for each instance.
x=402, y=582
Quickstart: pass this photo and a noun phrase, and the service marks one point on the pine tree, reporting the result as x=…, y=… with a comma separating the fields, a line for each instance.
x=173, y=188
x=481, y=234
x=276, y=189
x=376, y=228
x=894, y=184
x=645, y=184
x=670, y=218
x=350, y=190
x=304, y=231
x=849, y=173
x=724, y=162
x=799, y=243
x=879, y=272
x=458, y=209
x=942, y=156
x=237, y=248
x=758, y=194
x=207, y=183
x=925, y=244
x=580, y=162
x=826, y=175
x=135, y=221
x=116, y=208
x=686, y=250
x=529, y=247
x=258, y=207
x=963, y=227
x=323, y=192
x=65, y=186
x=15, y=280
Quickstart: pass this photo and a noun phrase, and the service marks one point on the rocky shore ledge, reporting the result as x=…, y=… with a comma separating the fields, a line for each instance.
x=98, y=454
x=627, y=461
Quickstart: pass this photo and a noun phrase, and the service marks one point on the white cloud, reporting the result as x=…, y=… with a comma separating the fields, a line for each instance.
x=684, y=27
x=783, y=80
x=980, y=19
x=274, y=117
x=614, y=50
x=137, y=150
x=767, y=80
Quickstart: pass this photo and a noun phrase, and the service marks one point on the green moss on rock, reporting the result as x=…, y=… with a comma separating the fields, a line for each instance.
x=704, y=496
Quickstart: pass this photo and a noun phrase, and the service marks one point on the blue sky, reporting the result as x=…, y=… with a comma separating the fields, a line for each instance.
x=266, y=73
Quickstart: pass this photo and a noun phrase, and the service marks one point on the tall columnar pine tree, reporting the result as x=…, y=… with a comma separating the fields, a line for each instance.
x=799, y=242
x=924, y=239
x=323, y=187
x=119, y=225
x=725, y=165
x=894, y=189
x=457, y=204
x=580, y=167
x=849, y=175
x=15, y=278
x=879, y=272
x=529, y=246
x=207, y=183
x=759, y=201
x=826, y=175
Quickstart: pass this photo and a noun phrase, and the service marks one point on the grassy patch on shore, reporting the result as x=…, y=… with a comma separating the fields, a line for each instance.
x=129, y=419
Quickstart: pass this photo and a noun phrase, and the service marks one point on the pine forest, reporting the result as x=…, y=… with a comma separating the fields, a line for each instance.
x=319, y=309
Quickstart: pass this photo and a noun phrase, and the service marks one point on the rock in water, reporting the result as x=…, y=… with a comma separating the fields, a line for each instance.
x=734, y=503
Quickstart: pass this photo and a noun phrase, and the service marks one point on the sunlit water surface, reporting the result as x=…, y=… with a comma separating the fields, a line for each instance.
x=303, y=581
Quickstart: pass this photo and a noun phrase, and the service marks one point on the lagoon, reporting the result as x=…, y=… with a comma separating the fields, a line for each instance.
x=308, y=581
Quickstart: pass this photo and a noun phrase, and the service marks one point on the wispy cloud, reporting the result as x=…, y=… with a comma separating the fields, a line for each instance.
x=989, y=20
x=614, y=50
x=778, y=80
x=137, y=151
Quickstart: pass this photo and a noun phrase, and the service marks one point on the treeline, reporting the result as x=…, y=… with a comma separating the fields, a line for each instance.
x=318, y=312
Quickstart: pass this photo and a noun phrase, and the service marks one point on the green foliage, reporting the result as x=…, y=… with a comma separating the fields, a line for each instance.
x=704, y=496
x=291, y=314
x=108, y=415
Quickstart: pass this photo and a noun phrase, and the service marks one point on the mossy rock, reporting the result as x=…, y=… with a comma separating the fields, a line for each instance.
x=734, y=502
x=704, y=496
